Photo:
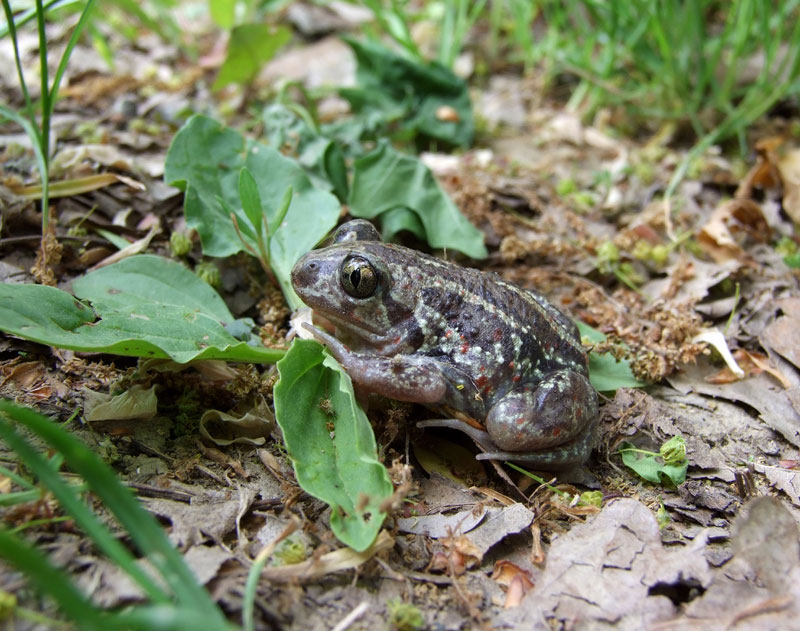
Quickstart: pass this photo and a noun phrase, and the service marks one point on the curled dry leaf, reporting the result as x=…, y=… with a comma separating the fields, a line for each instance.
x=342, y=559
x=751, y=363
x=250, y=428
x=729, y=227
x=517, y=581
x=135, y=403
x=764, y=173
x=778, y=165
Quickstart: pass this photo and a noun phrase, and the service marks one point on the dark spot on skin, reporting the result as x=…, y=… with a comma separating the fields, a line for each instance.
x=511, y=365
x=481, y=381
x=415, y=337
x=113, y=291
x=464, y=348
x=498, y=335
x=516, y=378
x=556, y=431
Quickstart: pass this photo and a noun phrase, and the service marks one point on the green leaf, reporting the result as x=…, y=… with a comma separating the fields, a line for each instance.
x=651, y=466
x=398, y=220
x=413, y=92
x=251, y=200
x=205, y=159
x=150, y=280
x=606, y=372
x=50, y=580
x=222, y=12
x=386, y=179
x=320, y=156
x=249, y=48
x=146, y=307
x=142, y=528
x=330, y=442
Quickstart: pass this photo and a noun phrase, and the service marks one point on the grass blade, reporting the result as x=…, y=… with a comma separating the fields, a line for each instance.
x=72, y=504
x=141, y=526
x=51, y=581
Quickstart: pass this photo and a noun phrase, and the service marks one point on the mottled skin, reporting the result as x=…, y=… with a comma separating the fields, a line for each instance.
x=466, y=343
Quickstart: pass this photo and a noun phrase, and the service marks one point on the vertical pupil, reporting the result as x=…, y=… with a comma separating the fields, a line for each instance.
x=355, y=277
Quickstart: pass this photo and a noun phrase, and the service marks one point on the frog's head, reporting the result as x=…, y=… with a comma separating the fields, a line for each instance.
x=351, y=284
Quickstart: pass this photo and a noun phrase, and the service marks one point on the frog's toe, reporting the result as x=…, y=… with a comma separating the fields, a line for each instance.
x=478, y=435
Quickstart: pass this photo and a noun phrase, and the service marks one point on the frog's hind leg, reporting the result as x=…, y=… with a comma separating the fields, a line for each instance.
x=561, y=458
x=545, y=415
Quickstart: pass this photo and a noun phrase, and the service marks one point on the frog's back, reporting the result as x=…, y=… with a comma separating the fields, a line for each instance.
x=484, y=324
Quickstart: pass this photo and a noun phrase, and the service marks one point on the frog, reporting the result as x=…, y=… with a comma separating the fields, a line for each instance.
x=498, y=361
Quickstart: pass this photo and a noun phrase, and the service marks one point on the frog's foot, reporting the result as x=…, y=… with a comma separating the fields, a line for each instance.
x=478, y=435
x=560, y=458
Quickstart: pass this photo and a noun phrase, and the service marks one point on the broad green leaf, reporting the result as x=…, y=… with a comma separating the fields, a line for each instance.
x=652, y=467
x=400, y=219
x=386, y=179
x=416, y=93
x=330, y=442
x=318, y=154
x=249, y=48
x=205, y=159
x=606, y=372
x=139, y=313
x=149, y=279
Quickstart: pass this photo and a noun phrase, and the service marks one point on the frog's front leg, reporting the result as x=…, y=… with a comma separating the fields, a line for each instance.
x=416, y=379
x=557, y=410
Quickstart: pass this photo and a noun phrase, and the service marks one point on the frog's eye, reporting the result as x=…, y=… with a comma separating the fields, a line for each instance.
x=359, y=278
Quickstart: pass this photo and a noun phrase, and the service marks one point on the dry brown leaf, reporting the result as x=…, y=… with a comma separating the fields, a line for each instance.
x=136, y=247
x=68, y=188
x=750, y=362
x=764, y=173
x=343, y=559
x=729, y=226
x=251, y=426
x=24, y=375
x=778, y=165
x=789, y=169
x=506, y=573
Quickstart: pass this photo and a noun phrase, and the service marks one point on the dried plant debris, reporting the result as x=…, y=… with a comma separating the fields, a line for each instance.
x=762, y=392
x=612, y=572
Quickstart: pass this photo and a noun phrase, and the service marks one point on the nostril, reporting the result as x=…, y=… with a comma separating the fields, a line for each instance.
x=312, y=265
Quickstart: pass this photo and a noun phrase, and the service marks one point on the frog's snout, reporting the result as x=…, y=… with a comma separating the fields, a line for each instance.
x=304, y=273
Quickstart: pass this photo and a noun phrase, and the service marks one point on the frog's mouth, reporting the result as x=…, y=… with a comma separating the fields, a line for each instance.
x=359, y=336
x=369, y=334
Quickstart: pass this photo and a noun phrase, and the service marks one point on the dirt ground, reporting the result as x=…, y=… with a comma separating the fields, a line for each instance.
x=720, y=551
